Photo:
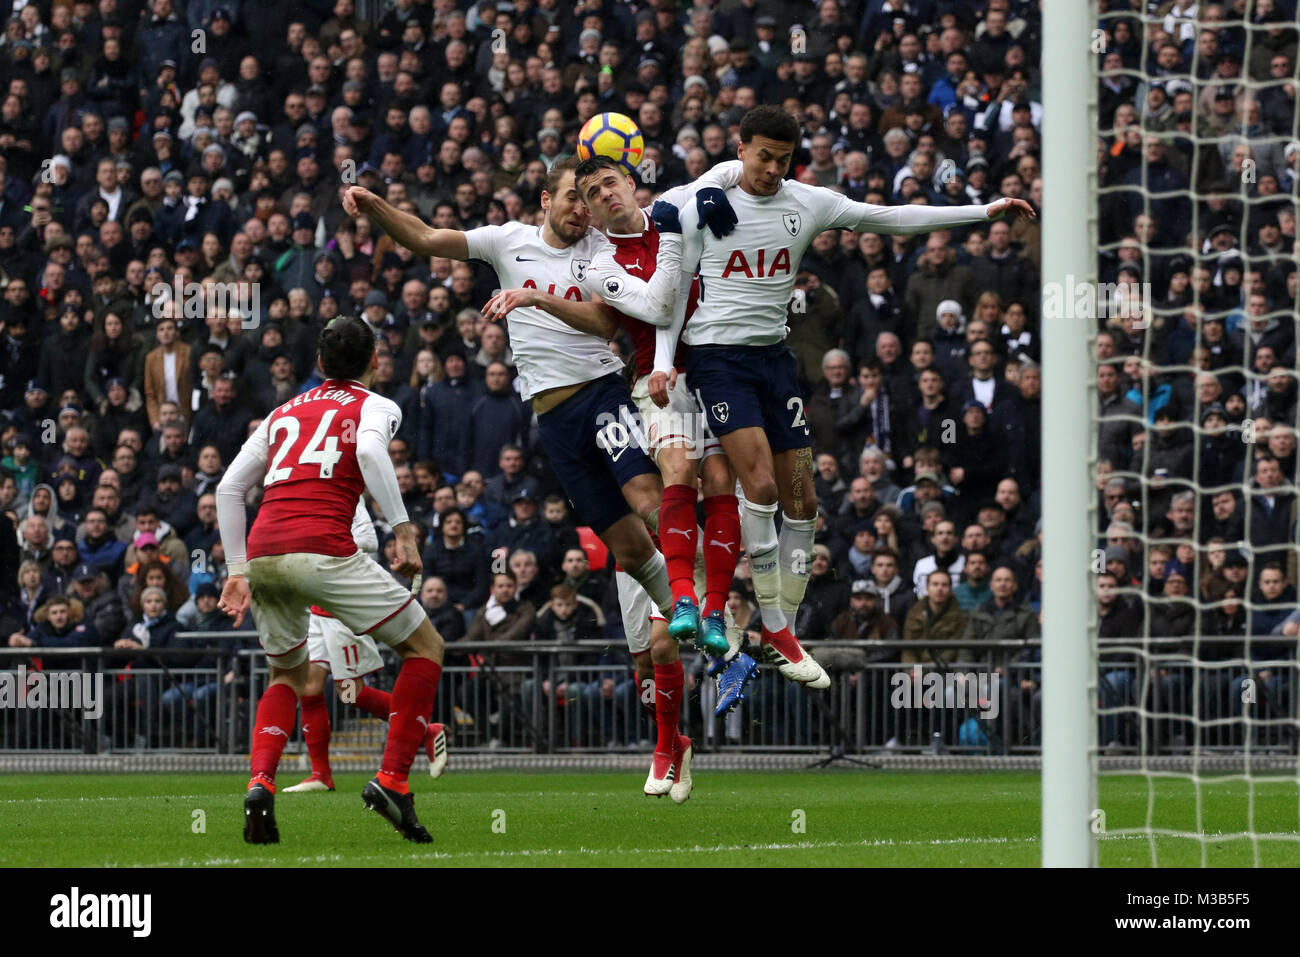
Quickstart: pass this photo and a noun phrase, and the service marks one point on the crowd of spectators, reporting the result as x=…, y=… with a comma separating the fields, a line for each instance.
x=1196, y=374
x=202, y=147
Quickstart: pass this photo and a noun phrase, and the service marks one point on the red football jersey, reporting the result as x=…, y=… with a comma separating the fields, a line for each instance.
x=638, y=256
x=313, y=480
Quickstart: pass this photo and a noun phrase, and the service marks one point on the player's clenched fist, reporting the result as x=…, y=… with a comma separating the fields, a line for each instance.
x=357, y=200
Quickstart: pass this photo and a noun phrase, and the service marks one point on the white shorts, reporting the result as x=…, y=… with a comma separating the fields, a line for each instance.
x=680, y=424
x=332, y=645
x=355, y=590
x=638, y=612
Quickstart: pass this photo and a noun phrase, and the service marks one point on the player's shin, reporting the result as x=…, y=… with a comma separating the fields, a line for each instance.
x=412, y=701
x=276, y=712
x=316, y=734
x=678, y=535
x=373, y=701
x=796, y=542
x=721, y=548
x=759, y=529
x=669, y=681
x=645, y=681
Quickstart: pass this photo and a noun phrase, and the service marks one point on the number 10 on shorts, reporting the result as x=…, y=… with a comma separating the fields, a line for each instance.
x=615, y=435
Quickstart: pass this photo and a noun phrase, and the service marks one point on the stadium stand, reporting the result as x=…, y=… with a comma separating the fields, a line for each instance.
x=172, y=241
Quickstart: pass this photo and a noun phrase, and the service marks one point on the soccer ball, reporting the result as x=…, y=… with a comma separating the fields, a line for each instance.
x=615, y=136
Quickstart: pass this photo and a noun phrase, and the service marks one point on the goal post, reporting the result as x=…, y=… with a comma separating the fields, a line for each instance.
x=1068, y=249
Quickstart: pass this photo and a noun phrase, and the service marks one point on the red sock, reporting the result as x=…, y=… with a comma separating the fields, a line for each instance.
x=373, y=701
x=646, y=690
x=669, y=680
x=276, y=713
x=721, y=548
x=678, y=531
x=413, y=694
x=316, y=732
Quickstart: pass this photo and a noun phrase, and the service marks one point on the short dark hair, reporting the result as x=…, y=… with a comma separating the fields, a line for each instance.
x=772, y=122
x=593, y=165
x=345, y=347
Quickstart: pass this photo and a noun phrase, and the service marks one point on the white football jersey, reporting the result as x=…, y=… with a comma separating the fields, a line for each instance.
x=747, y=278
x=548, y=352
x=363, y=529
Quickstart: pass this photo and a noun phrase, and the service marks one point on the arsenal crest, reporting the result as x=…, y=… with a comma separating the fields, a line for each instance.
x=791, y=221
x=580, y=269
x=720, y=412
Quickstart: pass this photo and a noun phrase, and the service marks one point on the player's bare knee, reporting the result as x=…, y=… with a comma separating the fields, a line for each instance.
x=761, y=488
x=676, y=467
x=315, y=683
x=716, y=477
x=295, y=677
x=644, y=493
x=663, y=649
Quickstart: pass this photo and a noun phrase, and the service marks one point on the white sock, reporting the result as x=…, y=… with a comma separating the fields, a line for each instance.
x=758, y=528
x=796, y=561
x=653, y=577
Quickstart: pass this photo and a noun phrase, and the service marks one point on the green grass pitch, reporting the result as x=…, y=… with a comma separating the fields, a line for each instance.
x=593, y=819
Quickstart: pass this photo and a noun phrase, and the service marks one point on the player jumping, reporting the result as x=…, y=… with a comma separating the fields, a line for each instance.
x=332, y=648
x=574, y=383
x=745, y=378
x=626, y=286
x=315, y=455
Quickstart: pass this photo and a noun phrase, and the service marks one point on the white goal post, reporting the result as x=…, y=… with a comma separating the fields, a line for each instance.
x=1069, y=243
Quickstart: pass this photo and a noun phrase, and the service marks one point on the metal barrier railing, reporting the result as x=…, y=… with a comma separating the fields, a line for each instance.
x=584, y=698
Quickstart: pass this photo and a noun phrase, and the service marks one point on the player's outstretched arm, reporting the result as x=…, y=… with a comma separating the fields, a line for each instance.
x=910, y=218
x=589, y=317
x=406, y=230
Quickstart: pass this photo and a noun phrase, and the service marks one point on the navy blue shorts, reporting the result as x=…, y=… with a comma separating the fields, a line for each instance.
x=595, y=447
x=743, y=386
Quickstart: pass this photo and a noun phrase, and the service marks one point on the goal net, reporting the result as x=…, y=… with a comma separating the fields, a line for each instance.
x=1194, y=355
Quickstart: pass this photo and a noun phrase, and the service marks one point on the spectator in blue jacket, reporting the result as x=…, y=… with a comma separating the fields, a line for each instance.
x=446, y=422
x=459, y=560
x=498, y=419
x=59, y=623
x=100, y=548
